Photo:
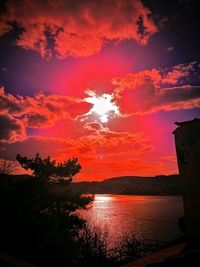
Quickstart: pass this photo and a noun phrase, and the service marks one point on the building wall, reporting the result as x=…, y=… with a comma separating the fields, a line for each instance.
x=187, y=139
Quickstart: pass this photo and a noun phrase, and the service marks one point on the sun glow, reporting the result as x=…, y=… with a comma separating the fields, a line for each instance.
x=103, y=106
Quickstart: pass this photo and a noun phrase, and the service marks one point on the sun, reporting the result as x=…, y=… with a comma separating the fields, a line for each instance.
x=103, y=106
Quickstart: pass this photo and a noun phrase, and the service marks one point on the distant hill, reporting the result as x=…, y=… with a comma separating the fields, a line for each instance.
x=131, y=185
x=127, y=185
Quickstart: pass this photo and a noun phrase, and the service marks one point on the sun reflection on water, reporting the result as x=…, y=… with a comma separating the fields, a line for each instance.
x=103, y=198
x=146, y=217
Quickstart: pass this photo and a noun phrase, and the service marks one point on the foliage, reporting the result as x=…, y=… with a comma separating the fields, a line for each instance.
x=95, y=249
x=47, y=169
x=38, y=221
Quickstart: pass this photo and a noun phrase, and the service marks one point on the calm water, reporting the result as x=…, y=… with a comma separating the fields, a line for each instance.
x=147, y=217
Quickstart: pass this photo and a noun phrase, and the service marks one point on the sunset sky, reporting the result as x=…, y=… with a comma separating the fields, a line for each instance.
x=100, y=80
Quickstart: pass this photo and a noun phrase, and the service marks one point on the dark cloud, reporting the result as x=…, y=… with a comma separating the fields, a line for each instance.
x=11, y=130
x=180, y=94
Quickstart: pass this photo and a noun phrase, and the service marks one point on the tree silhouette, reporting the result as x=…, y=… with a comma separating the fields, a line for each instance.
x=47, y=169
x=37, y=213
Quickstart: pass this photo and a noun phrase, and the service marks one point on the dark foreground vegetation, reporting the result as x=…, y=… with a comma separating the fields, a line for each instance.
x=39, y=224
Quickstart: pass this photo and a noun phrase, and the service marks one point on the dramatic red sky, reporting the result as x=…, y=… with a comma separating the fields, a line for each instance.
x=102, y=80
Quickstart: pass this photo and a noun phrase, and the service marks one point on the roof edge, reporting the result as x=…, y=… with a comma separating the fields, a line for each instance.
x=185, y=123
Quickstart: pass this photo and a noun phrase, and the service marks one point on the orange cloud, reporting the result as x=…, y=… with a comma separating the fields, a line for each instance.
x=154, y=90
x=156, y=77
x=94, y=126
x=42, y=110
x=32, y=145
x=106, y=144
x=76, y=28
x=82, y=146
x=92, y=150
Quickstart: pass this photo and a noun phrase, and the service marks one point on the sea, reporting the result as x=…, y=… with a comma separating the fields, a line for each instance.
x=144, y=217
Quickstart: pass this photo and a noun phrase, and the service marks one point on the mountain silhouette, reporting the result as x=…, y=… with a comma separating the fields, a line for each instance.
x=131, y=185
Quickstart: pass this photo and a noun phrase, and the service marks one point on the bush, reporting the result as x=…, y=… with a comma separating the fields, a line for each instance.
x=95, y=250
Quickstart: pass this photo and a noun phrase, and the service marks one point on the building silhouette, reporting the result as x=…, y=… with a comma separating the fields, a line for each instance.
x=187, y=140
